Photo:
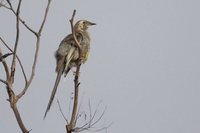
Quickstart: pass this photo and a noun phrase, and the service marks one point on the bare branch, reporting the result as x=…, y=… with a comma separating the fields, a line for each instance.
x=20, y=63
x=10, y=79
x=90, y=109
x=5, y=56
x=97, y=130
x=18, y=118
x=75, y=114
x=70, y=103
x=91, y=123
x=75, y=105
x=36, y=52
x=20, y=19
x=78, y=111
x=45, y=17
x=3, y=81
x=61, y=111
x=99, y=117
x=4, y=5
x=71, y=126
x=30, y=29
x=8, y=1
x=95, y=112
x=5, y=66
x=6, y=44
x=10, y=75
x=73, y=33
x=13, y=66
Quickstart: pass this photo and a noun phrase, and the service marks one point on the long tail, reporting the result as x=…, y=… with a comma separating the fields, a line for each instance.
x=64, y=68
x=54, y=90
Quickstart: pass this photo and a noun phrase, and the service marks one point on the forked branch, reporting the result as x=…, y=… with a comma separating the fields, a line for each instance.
x=38, y=35
x=10, y=73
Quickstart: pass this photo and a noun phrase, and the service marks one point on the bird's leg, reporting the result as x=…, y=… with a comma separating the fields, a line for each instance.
x=74, y=72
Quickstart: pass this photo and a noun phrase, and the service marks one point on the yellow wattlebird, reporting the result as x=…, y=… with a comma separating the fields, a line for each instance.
x=67, y=54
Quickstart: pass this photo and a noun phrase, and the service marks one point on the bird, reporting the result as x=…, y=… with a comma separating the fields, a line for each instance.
x=67, y=54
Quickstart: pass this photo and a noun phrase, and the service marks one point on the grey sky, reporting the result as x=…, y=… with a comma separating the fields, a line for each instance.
x=144, y=65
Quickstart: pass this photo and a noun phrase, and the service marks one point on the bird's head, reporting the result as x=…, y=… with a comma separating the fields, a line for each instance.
x=82, y=25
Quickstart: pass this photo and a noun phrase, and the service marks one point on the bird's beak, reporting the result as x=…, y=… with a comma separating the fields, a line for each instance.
x=91, y=23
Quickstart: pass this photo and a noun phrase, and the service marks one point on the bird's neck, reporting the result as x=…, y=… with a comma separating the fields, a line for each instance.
x=84, y=34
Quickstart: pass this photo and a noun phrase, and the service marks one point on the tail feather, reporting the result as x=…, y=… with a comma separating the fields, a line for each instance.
x=54, y=90
x=63, y=68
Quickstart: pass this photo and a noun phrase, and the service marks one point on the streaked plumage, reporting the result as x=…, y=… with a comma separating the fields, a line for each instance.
x=67, y=55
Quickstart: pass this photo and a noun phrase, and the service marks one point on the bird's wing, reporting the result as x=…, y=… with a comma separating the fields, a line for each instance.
x=69, y=57
x=67, y=44
x=72, y=52
x=59, y=74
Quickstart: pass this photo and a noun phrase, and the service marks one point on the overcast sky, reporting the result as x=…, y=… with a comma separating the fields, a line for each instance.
x=144, y=65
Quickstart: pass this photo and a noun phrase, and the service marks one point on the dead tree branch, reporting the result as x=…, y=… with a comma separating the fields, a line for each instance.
x=73, y=33
x=3, y=61
x=7, y=71
x=18, y=59
x=92, y=122
x=71, y=126
x=10, y=7
x=10, y=73
x=3, y=81
x=62, y=111
x=5, y=56
x=38, y=35
x=13, y=66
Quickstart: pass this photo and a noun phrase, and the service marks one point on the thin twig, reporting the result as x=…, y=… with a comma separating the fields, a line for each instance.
x=20, y=19
x=3, y=5
x=90, y=109
x=36, y=52
x=90, y=129
x=99, y=117
x=5, y=56
x=3, y=81
x=28, y=27
x=11, y=94
x=5, y=66
x=76, y=92
x=90, y=124
x=20, y=63
x=8, y=1
x=74, y=34
x=79, y=110
x=10, y=75
x=13, y=66
x=45, y=17
x=70, y=103
x=90, y=120
x=95, y=112
x=97, y=130
x=61, y=111
x=71, y=126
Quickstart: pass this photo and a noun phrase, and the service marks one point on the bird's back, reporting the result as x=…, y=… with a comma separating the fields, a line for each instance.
x=67, y=43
